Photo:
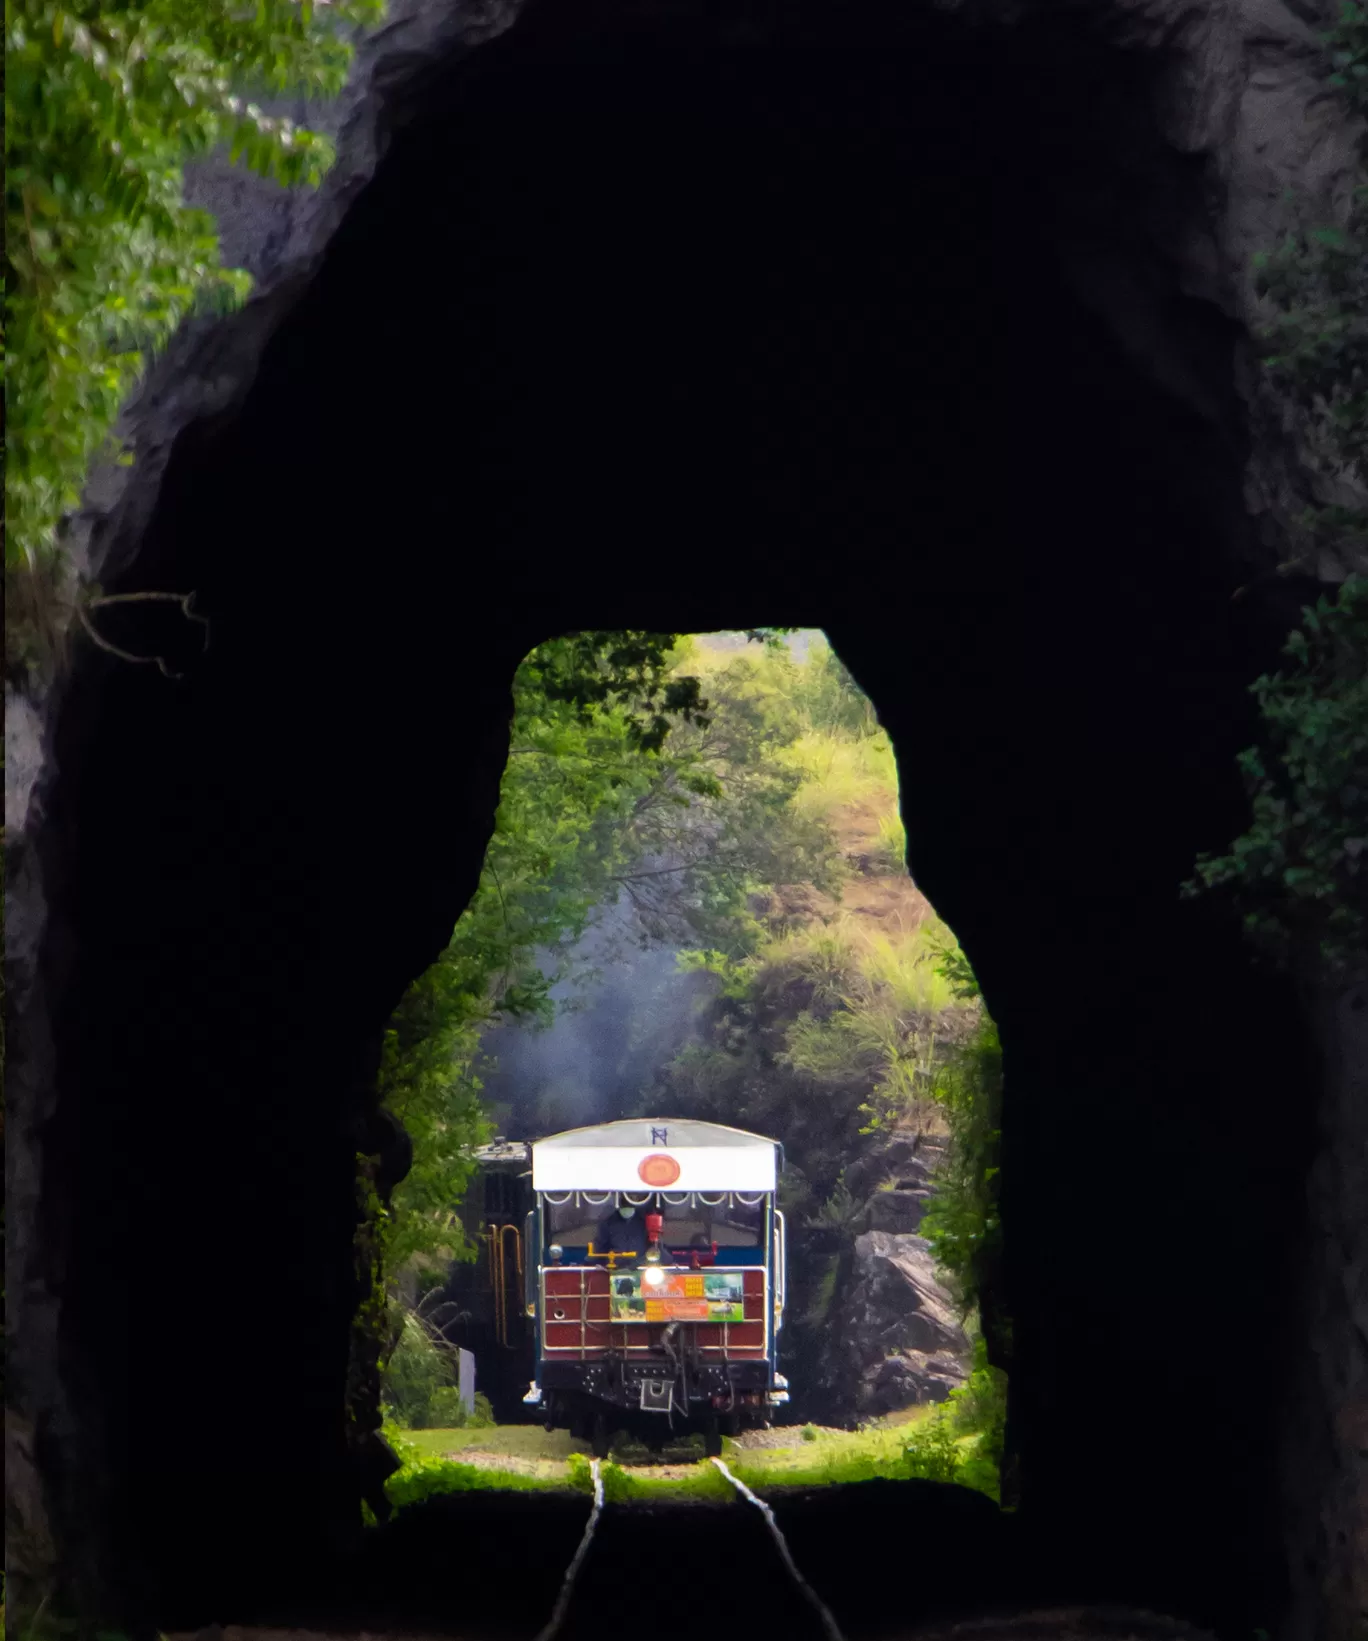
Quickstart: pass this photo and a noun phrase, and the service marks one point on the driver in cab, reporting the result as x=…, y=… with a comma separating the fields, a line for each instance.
x=623, y=1232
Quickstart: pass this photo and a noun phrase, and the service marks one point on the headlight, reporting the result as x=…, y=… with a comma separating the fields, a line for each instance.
x=654, y=1276
x=556, y=1252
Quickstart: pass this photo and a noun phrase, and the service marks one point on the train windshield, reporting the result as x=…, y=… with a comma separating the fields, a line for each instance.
x=693, y=1219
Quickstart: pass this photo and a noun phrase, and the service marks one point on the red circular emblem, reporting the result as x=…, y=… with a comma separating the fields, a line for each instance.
x=658, y=1169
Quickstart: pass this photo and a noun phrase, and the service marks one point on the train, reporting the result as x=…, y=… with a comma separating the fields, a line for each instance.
x=637, y=1268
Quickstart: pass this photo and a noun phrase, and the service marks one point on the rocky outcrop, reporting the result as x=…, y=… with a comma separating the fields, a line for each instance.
x=882, y=1332
x=895, y=1180
x=900, y=1339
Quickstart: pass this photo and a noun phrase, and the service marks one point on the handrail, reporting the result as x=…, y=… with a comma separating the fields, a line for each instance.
x=498, y=1274
x=496, y=1283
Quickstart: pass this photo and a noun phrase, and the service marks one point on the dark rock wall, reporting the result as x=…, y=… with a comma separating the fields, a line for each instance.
x=823, y=361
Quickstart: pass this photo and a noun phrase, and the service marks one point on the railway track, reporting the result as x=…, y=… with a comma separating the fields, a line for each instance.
x=679, y=1570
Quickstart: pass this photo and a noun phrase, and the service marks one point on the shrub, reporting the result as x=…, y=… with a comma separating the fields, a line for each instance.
x=418, y=1385
x=962, y=1223
x=446, y=1411
x=931, y=1452
x=979, y=1409
x=1300, y=872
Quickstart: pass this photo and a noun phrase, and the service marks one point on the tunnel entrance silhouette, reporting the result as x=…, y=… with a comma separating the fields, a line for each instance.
x=585, y=357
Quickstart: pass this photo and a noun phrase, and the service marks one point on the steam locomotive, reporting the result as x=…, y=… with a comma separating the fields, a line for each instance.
x=667, y=1330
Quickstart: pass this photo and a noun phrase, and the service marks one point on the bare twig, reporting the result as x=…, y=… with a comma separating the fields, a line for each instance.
x=183, y=599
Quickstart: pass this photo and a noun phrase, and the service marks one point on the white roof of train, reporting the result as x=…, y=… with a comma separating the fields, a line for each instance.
x=657, y=1153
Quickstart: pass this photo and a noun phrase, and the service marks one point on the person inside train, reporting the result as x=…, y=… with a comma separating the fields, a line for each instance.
x=623, y=1232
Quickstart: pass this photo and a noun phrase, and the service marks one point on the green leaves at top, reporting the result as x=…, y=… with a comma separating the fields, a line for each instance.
x=103, y=258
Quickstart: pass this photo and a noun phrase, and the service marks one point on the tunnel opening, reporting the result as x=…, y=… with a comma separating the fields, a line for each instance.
x=717, y=931
x=623, y=336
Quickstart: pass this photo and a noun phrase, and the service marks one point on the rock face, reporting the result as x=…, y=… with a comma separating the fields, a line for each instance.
x=901, y=1341
x=874, y=1328
x=889, y=1335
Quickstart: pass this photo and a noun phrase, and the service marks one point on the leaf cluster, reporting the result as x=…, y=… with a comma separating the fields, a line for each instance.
x=962, y=1222
x=1299, y=871
x=632, y=671
x=103, y=259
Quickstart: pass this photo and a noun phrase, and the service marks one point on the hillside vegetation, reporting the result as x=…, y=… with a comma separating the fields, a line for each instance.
x=825, y=1003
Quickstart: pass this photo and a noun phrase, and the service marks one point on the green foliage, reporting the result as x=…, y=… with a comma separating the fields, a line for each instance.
x=596, y=808
x=703, y=1481
x=1299, y=871
x=1316, y=342
x=838, y=1212
x=828, y=1030
x=931, y=1452
x=1296, y=872
x=446, y=1411
x=419, y=1373
x=426, y=1477
x=1348, y=45
x=103, y=257
x=883, y=1016
x=830, y=700
x=368, y=1340
x=419, y=1368
x=809, y=1433
x=845, y=773
x=979, y=1410
x=962, y=1222
x=633, y=671
x=891, y=854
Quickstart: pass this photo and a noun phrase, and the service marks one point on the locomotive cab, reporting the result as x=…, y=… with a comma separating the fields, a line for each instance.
x=655, y=1280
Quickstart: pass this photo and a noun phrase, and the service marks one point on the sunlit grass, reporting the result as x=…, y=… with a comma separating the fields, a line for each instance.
x=825, y=954
x=528, y=1441
x=554, y=1462
x=847, y=955
x=699, y=1480
x=906, y=970
x=840, y=774
x=892, y=844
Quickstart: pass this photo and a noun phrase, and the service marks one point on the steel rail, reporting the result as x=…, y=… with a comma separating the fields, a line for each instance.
x=558, y=1612
x=829, y=1624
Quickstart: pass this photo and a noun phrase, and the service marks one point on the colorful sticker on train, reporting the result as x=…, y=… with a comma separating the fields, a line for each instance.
x=654, y=1295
